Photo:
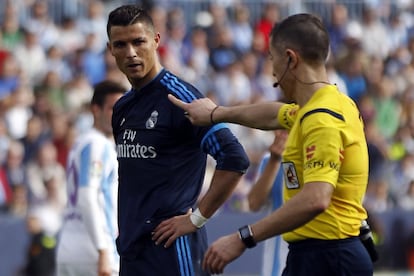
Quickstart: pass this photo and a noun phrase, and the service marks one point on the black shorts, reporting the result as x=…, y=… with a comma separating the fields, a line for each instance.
x=183, y=258
x=328, y=257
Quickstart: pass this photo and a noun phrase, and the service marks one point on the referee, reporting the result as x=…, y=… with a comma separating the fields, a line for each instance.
x=325, y=162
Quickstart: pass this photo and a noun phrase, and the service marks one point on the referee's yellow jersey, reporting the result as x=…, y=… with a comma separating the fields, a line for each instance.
x=326, y=143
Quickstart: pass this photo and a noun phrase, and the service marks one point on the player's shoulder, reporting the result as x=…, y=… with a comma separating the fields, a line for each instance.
x=91, y=138
x=179, y=87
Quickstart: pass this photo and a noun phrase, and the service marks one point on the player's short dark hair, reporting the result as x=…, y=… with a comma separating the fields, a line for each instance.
x=304, y=33
x=104, y=88
x=127, y=15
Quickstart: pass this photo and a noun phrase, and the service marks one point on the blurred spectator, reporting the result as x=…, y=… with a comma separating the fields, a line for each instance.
x=61, y=136
x=56, y=62
x=377, y=150
x=224, y=53
x=40, y=259
x=219, y=20
x=406, y=100
x=351, y=69
x=231, y=85
x=397, y=31
x=334, y=76
x=259, y=46
x=387, y=107
x=270, y=15
x=197, y=52
x=407, y=201
x=46, y=176
x=251, y=66
x=92, y=60
x=374, y=39
x=52, y=87
x=336, y=27
x=94, y=24
x=377, y=199
x=241, y=28
x=35, y=136
x=71, y=38
x=31, y=57
x=10, y=27
x=402, y=175
x=13, y=166
x=10, y=77
x=78, y=92
x=4, y=139
x=41, y=24
x=19, y=111
x=173, y=57
x=19, y=204
x=266, y=80
x=6, y=194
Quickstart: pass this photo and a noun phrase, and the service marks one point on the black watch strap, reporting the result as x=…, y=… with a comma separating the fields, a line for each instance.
x=246, y=235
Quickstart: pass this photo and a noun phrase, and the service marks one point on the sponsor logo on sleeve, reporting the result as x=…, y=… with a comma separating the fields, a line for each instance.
x=290, y=175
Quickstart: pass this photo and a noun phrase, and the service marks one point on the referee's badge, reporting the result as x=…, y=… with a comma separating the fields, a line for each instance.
x=152, y=121
x=290, y=175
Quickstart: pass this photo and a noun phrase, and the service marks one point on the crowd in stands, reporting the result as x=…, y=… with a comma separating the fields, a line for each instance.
x=48, y=68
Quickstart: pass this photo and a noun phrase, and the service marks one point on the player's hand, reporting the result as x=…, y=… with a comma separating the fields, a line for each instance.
x=198, y=111
x=104, y=266
x=169, y=230
x=222, y=252
x=278, y=145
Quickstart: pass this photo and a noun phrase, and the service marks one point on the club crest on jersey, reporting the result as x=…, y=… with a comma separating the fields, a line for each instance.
x=290, y=175
x=152, y=121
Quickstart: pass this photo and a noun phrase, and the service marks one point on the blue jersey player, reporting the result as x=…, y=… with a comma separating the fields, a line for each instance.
x=267, y=192
x=162, y=158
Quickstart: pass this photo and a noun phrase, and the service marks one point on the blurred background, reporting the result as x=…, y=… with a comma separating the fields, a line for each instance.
x=52, y=52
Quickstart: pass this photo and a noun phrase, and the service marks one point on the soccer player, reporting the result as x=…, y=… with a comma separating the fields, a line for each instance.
x=87, y=241
x=325, y=163
x=267, y=192
x=162, y=158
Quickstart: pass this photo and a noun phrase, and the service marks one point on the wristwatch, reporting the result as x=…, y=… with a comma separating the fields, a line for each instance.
x=246, y=235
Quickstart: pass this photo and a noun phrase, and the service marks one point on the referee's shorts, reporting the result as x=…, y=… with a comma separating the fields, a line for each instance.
x=182, y=258
x=328, y=258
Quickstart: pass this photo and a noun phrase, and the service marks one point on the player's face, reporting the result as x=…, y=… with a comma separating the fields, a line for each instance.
x=104, y=118
x=135, y=50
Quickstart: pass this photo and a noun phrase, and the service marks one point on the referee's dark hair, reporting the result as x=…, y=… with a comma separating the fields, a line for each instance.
x=304, y=33
x=104, y=88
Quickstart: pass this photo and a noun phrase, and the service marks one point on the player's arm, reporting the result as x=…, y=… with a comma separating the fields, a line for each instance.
x=204, y=112
x=300, y=209
x=259, y=193
x=92, y=213
x=231, y=163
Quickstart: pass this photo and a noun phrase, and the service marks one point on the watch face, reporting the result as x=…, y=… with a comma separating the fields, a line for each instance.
x=245, y=232
x=246, y=236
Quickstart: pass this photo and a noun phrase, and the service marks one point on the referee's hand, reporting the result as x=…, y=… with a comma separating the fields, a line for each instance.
x=170, y=229
x=197, y=111
x=222, y=252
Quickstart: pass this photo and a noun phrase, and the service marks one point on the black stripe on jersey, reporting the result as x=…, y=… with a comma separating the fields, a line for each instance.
x=173, y=84
x=325, y=110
